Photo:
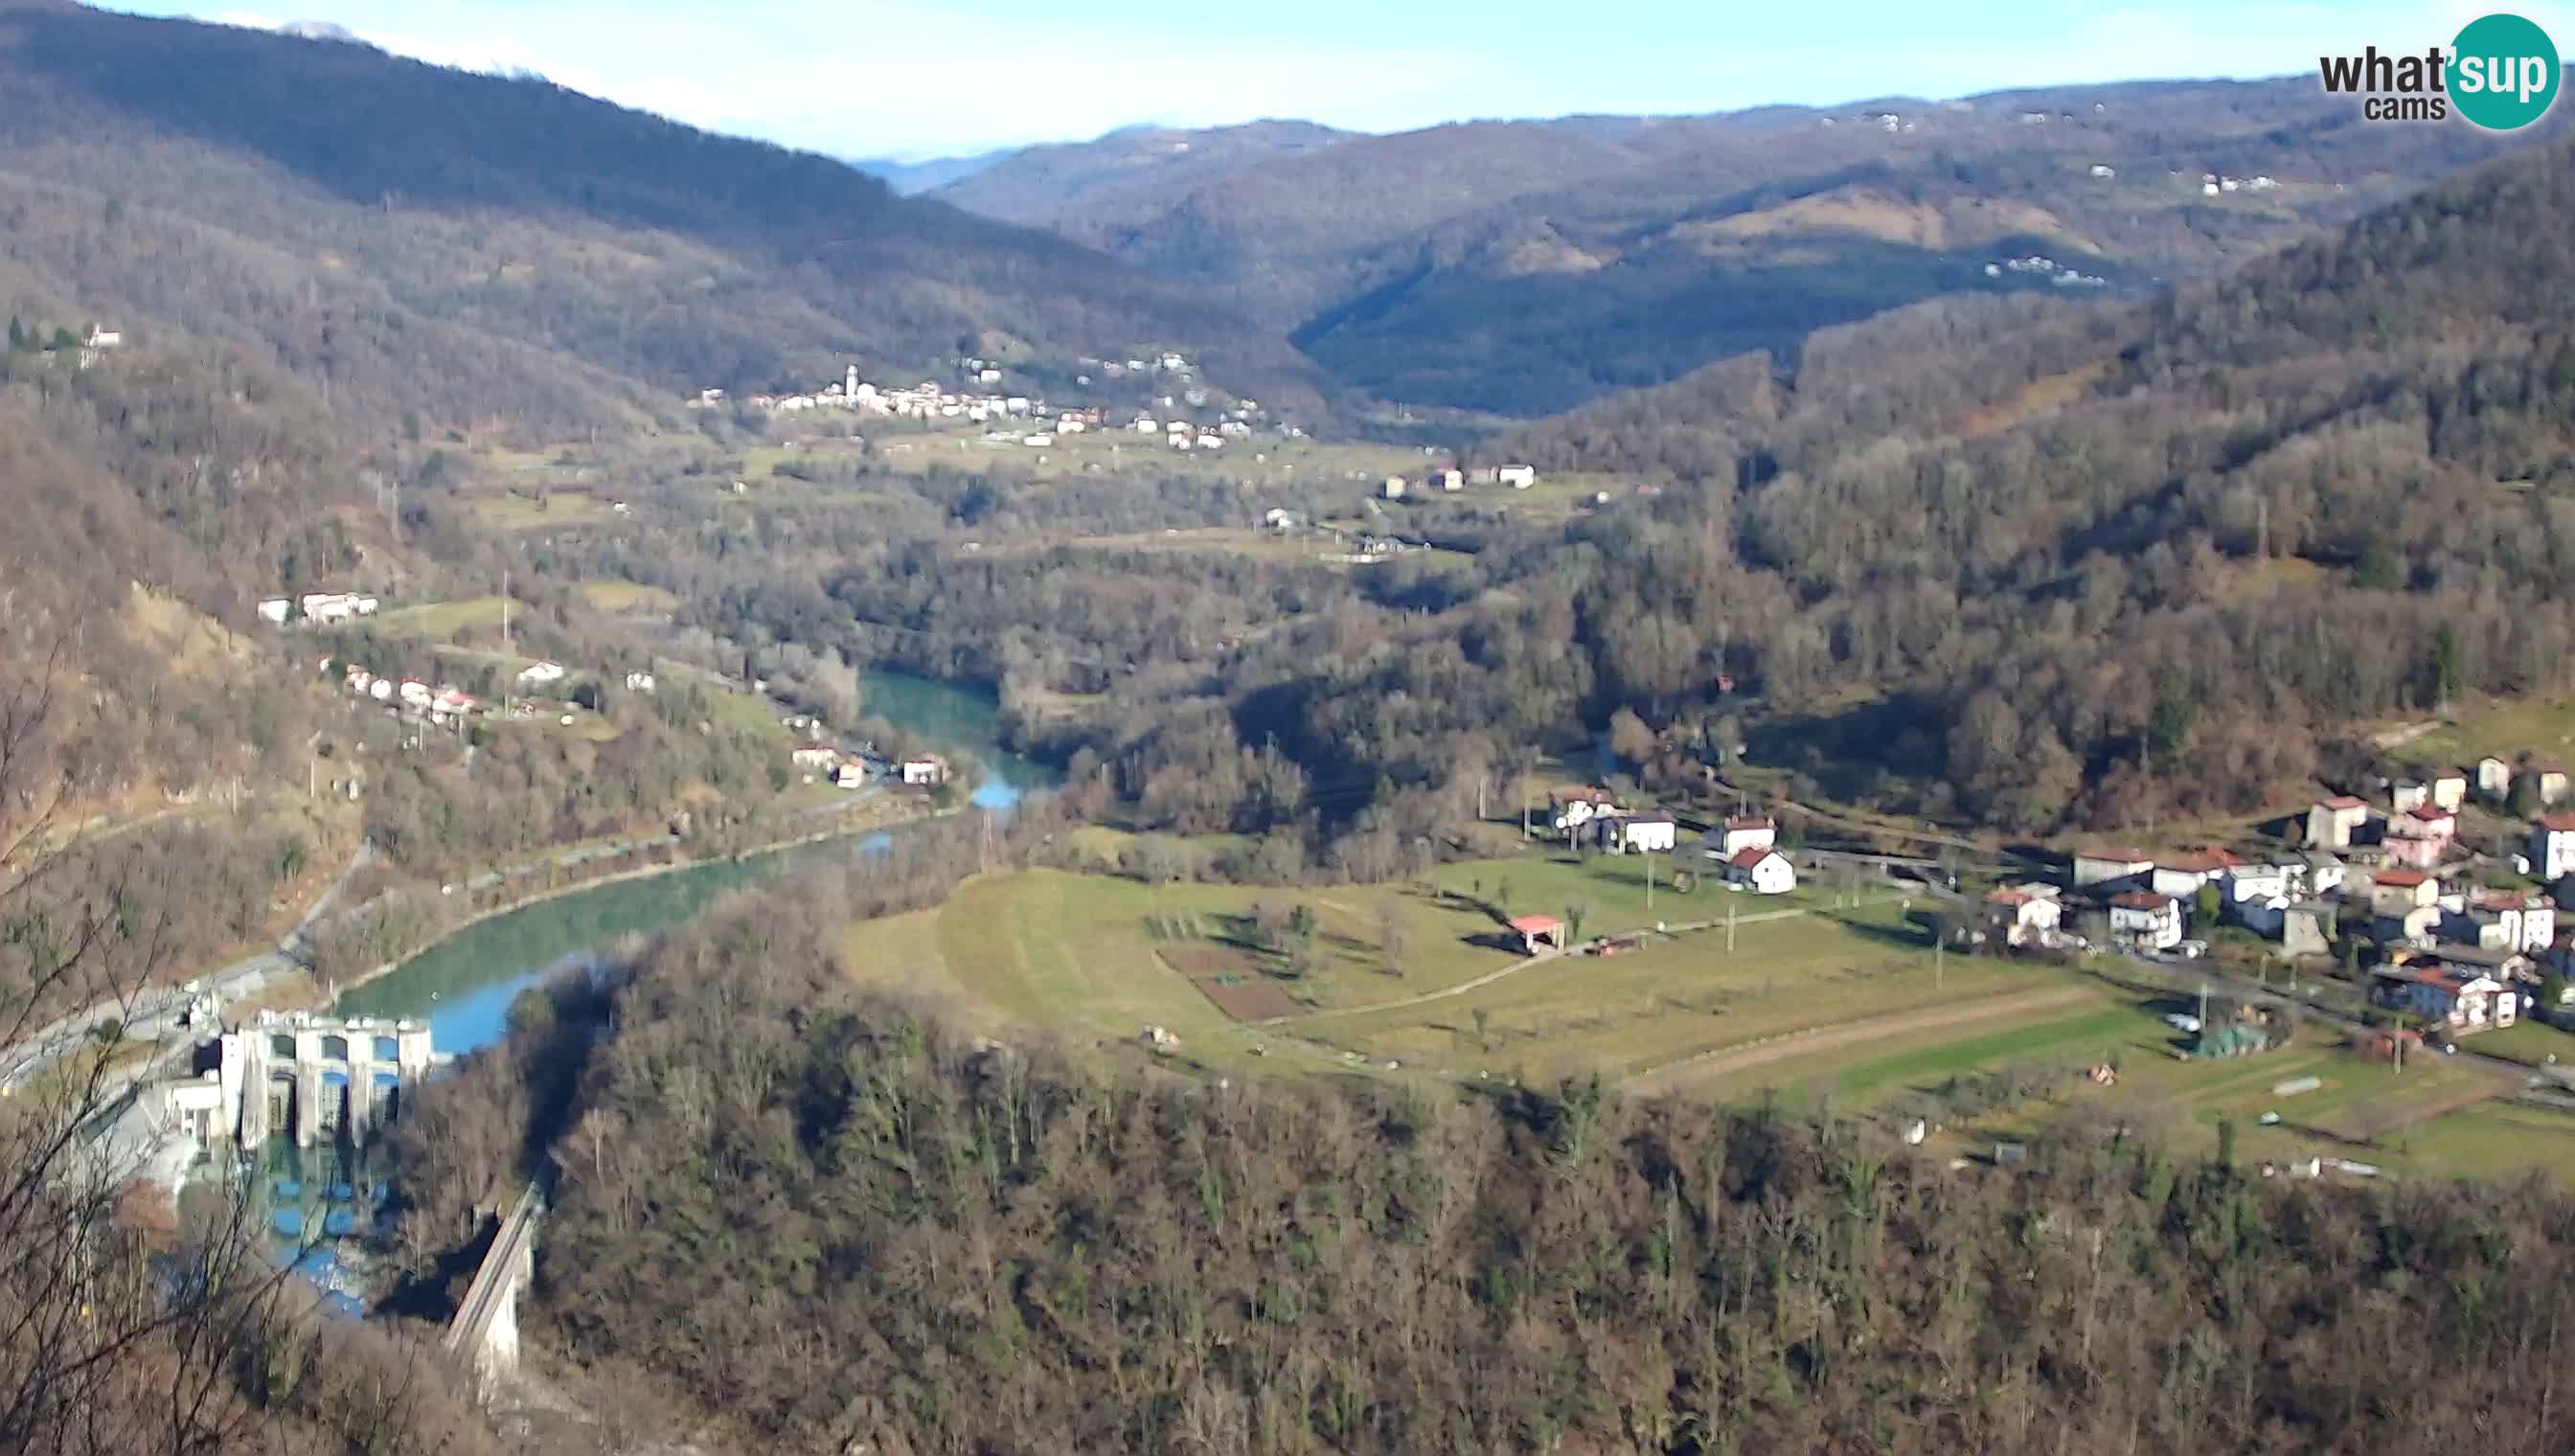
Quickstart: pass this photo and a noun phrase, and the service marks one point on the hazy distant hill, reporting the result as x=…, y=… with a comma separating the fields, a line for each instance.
x=505, y=245
x=1525, y=267
x=1038, y=185
x=910, y=179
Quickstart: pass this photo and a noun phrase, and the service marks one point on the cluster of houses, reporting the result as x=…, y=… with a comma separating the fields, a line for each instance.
x=1744, y=850
x=1032, y=422
x=317, y=606
x=2038, y=265
x=1448, y=480
x=854, y=767
x=2214, y=184
x=2451, y=948
x=446, y=705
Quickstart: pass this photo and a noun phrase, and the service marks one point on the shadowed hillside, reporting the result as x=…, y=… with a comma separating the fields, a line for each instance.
x=612, y=239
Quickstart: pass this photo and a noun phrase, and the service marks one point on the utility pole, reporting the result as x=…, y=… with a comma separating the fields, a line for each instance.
x=1940, y=960
x=1649, y=881
x=1729, y=927
x=505, y=611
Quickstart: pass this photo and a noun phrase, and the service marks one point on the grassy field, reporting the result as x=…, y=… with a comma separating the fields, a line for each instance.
x=509, y=511
x=2530, y=1042
x=2504, y=726
x=438, y=620
x=626, y=597
x=1610, y=889
x=2435, y=1118
x=1093, y=958
x=1679, y=998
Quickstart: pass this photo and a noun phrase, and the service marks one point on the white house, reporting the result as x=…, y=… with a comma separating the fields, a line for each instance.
x=2408, y=794
x=2450, y=790
x=2022, y=914
x=2460, y=1002
x=537, y=675
x=815, y=755
x=2552, y=847
x=1742, y=832
x=416, y=693
x=2146, y=920
x=273, y=610
x=2332, y=822
x=849, y=776
x=1447, y=480
x=2182, y=874
x=640, y=682
x=1653, y=833
x=1765, y=871
x=1393, y=488
x=928, y=768
x=337, y=606
x=1571, y=810
x=2260, y=882
x=1518, y=477
x=2494, y=777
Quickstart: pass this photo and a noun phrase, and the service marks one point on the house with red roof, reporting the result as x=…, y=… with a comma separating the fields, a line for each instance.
x=2420, y=835
x=2333, y=824
x=2401, y=891
x=1538, y=932
x=1763, y=872
x=2145, y=920
x=2455, y=999
x=2022, y=914
x=2183, y=875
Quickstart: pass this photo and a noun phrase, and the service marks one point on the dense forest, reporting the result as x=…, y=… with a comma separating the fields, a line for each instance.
x=832, y=1223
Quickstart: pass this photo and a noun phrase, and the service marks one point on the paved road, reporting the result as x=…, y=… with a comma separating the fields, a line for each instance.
x=153, y=1014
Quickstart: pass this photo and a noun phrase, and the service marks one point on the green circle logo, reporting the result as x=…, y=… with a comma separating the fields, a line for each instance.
x=2503, y=72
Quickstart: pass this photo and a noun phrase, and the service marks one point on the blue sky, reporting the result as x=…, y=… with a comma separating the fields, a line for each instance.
x=919, y=78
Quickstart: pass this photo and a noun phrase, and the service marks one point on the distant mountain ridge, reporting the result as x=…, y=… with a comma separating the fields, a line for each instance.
x=910, y=179
x=1525, y=267
x=1037, y=185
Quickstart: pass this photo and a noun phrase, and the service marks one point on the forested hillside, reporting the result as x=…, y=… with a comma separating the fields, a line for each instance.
x=1527, y=267
x=1037, y=185
x=2113, y=562
x=829, y=1223
x=470, y=246
x=2013, y=562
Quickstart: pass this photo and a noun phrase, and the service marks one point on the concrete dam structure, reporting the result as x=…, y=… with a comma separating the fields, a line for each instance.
x=327, y=1080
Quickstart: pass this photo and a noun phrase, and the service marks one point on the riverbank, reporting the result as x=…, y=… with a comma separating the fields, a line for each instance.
x=333, y=992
